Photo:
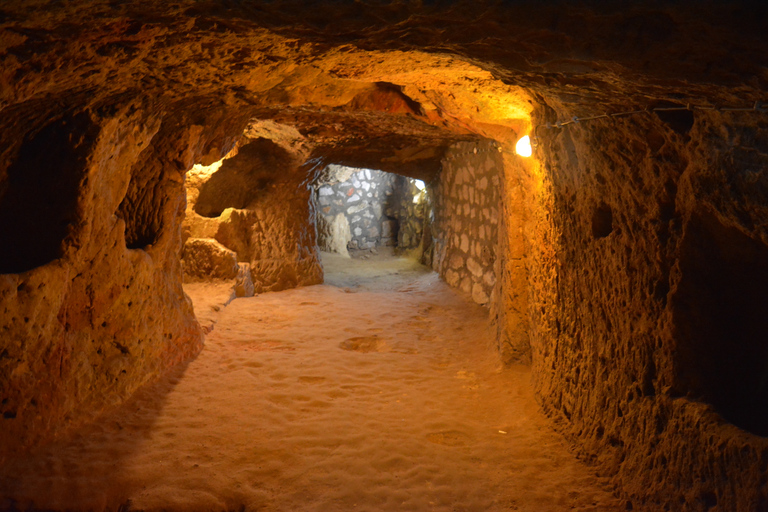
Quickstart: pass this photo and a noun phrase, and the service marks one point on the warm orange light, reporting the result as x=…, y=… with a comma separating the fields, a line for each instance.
x=523, y=147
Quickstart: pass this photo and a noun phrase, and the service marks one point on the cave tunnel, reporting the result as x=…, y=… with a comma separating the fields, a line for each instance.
x=294, y=256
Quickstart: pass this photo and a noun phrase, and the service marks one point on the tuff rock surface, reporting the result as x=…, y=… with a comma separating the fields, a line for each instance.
x=630, y=249
x=207, y=258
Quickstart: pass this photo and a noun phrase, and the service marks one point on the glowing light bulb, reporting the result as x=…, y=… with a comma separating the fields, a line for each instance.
x=523, y=147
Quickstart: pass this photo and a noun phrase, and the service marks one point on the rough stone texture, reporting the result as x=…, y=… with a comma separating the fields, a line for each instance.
x=411, y=211
x=205, y=258
x=257, y=203
x=511, y=310
x=651, y=339
x=632, y=247
x=244, y=281
x=466, y=213
x=333, y=233
x=364, y=198
x=101, y=311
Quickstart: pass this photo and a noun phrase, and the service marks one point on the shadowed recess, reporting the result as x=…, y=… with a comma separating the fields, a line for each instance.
x=244, y=178
x=38, y=200
x=721, y=308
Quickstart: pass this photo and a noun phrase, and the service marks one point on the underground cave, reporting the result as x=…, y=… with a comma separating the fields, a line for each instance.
x=289, y=256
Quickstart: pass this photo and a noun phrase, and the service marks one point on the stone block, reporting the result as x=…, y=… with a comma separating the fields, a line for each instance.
x=479, y=295
x=333, y=233
x=357, y=208
x=456, y=261
x=388, y=228
x=452, y=278
x=244, y=281
x=464, y=243
x=205, y=258
x=474, y=267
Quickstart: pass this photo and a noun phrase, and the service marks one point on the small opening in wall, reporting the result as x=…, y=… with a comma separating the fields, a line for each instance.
x=681, y=121
x=602, y=221
x=239, y=182
x=38, y=198
x=143, y=204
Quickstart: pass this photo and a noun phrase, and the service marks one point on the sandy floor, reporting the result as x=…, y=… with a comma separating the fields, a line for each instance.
x=380, y=393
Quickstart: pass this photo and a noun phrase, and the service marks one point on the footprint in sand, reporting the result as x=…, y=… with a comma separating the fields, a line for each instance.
x=266, y=345
x=374, y=330
x=365, y=344
x=470, y=377
x=311, y=380
x=449, y=438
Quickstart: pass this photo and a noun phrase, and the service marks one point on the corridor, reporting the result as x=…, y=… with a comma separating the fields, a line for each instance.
x=379, y=391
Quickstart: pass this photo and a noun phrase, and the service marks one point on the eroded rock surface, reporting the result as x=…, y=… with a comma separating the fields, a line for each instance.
x=257, y=203
x=205, y=258
x=334, y=234
x=631, y=249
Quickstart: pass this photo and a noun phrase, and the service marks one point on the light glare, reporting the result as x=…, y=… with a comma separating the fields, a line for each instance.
x=523, y=147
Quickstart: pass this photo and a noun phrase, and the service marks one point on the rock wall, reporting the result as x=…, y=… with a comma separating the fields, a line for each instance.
x=648, y=247
x=257, y=204
x=412, y=211
x=511, y=312
x=466, y=219
x=91, y=305
x=365, y=198
x=644, y=237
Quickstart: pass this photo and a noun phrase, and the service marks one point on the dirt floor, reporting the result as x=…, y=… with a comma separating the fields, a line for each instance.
x=379, y=390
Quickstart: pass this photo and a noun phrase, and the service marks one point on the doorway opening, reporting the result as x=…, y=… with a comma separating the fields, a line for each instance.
x=363, y=211
x=373, y=227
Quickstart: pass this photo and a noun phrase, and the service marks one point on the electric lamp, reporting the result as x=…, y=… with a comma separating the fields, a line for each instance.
x=523, y=147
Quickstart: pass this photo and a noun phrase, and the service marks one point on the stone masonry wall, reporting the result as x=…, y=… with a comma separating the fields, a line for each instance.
x=466, y=219
x=411, y=212
x=365, y=197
